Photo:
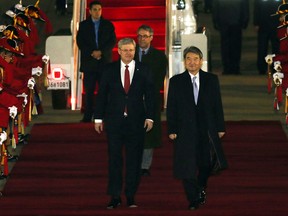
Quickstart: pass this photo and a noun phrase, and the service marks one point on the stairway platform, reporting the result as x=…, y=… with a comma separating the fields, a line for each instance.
x=135, y=13
x=129, y=3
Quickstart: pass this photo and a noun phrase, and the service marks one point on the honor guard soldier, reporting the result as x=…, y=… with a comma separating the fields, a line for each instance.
x=8, y=100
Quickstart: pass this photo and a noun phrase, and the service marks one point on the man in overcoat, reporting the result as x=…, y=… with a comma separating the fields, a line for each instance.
x=195, y=124
x=157, y=61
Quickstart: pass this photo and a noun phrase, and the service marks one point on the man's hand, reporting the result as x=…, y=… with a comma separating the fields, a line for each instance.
x=221, y=134
x=269, y=58
x=12, y=111
x=148, y=124
x=31, y=83
x=98, y=127
x=172, y=136
x=97, y=54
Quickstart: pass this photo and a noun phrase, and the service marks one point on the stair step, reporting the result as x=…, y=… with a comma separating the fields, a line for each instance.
x=130, y=27
x=132, y=13
x=129, y=3
x=158, y=40
x=115, y=55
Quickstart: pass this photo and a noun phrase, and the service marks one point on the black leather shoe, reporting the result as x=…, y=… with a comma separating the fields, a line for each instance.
x=202, y=196
x=131, y=202
x=145, y=172
x=193, y=205
x=2, y=176
x=114, y=203
x=12, y=158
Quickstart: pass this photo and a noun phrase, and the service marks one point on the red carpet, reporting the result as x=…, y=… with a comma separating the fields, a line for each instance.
x=63, y=171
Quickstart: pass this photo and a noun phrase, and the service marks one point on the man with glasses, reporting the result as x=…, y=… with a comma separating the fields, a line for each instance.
x=95, y=39
x=158, y=63
x=125, y=102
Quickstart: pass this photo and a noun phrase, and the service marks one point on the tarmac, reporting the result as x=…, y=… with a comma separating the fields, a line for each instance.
x=244, y=96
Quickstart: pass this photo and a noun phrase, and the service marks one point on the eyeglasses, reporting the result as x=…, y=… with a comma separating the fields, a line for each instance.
x=127, y=50
x=143, y=36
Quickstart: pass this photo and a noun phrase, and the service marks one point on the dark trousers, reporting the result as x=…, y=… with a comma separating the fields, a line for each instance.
x=90, y=80
x=231, y=43
x=264, y=37
x=125, y=137
x=192, y=187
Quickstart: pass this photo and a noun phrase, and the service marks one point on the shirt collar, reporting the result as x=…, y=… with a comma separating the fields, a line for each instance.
x=191, y=75
x=132, y=63
x=145, y=50
x=95, y=21
x=197, y=80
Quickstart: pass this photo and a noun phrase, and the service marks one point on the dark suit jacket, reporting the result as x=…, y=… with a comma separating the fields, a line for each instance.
x=158, y=63
x=112, y=99
x=262, y=15
x=187, y=121
x=87, y=43
x=230, y=13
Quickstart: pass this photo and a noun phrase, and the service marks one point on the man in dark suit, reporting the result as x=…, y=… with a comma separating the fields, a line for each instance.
x=266, y=27
x=195, y=123
x=230, y=17
x=158, y=63
x=125, y=102
x=95, y=39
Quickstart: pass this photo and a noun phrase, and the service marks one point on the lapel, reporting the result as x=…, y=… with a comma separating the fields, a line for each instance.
x=118, y=76
x=188, y=87
x=135, y=77
x=91, y=30
x=202, y=84
x=136, y=57
x=100, y=32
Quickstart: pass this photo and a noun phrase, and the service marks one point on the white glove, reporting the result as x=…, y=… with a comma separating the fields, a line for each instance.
x=37, y=71
x=3, y=137
x=45, y=59
x=10, y=13
x=2, y=28
x=31, y=83
x=269, y=58
x=19, y=7
x=287, y=92
x=277, y=66
x=12, y=111
x=25, y=101
x=277, y=77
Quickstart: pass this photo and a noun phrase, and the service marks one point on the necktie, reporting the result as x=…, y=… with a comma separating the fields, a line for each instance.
x=96, y=26
x=142, y=54
x=195, y=89
x=126, y=79
x=126, y=85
